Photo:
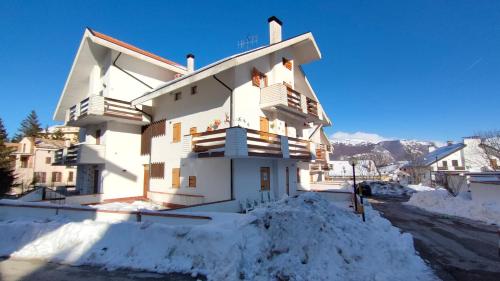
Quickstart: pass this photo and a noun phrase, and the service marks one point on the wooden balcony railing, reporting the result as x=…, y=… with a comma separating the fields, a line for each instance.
x=442, y=168
x=459, y=168
x=293, y=98
x=210, y=143
x=263, y=144
x=299, y=149
x=312, y=107
x=99, y=105
x=122, y=109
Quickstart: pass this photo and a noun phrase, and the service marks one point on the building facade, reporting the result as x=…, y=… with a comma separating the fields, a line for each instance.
x=246, y=127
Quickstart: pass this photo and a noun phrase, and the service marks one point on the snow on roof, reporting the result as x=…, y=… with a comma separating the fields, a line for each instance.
x=439, y=154
x=225, y=64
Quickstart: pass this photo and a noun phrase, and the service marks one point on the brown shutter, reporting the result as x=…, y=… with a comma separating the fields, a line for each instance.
x=158, y=170
x=192, y=181
x=145, y=143
x=176, y=135
x=192, y=131
x=176, y=177
x=287, y=63
x=255, y=77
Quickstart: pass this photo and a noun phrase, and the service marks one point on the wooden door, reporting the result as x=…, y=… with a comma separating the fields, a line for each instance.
x=264, y=127
x=146, y=180
x=176, y=134
x=176, y=177
x=265, y=178
x=287, y=180
x=96, y=182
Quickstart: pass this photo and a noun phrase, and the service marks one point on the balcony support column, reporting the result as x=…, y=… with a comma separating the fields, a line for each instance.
x=284, y=147
x=236, y=142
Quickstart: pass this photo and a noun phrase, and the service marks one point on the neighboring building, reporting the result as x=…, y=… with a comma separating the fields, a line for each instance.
x=319, y=166
x=485, y=187
x=68, y=133
x=239, y=128
x=364, y=169
x=450, y=161
x=33, y=164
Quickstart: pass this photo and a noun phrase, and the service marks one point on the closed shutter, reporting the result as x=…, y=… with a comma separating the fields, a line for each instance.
x=192, y=181
x=176, y=177
x=70, y=176
x=176, y=135
x=192, y=131
x=157, y=170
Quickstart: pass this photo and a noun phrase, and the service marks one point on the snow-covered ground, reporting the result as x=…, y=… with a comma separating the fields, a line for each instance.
x=134, y=206
x=440, y=201
x=302, y=238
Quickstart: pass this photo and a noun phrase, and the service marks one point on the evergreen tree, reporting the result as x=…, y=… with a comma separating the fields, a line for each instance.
x=30, y=127
x=6, y=173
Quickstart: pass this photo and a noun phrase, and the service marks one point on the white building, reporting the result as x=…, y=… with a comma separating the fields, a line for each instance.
x=67, y=133
x=240, y=128
x=364, y=169
x=33, y=164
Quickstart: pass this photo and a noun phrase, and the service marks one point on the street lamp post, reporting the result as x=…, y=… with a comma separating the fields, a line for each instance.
x=353, y=163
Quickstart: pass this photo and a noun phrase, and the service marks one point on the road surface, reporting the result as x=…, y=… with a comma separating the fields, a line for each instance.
x=27, y=270
x=457, y=249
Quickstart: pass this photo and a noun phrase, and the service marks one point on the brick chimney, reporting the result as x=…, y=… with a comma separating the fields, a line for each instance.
x=274, y=30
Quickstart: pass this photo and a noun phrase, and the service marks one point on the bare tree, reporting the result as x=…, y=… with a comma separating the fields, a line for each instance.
x=487, y=151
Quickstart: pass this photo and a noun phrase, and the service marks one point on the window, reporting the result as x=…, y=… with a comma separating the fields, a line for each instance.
x=157, y=170
x=454, y=163
x=287, y=63
x=192, y=130
x=176, y=132
x=98, y=136
x=194, y=90
x=24, y=161
x=177, y=96
x=56, y=176
x=444, y=163
x=48, y=160
x=265, y=178
x=24, y=147
x=40, y=177
x=70, y=176
x=192, y=181
x=176, y=177
x=258, y=79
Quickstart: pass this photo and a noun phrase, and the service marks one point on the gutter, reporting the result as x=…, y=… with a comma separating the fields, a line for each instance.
x=230, y=125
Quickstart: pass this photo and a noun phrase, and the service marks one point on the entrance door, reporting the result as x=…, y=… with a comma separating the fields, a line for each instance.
x=264, y=127
x=146, y=180
x=287, y=180
x=265, y=178
x=96, y=182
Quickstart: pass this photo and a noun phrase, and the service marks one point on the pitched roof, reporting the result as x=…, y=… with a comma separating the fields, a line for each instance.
x=225, y=64
x=439, y=154
x=132, y=48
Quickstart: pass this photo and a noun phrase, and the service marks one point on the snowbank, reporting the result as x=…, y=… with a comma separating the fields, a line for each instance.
x=388, y=188
x=134, y=206
x=302, y=238
x=420, y=187
x=440, y=201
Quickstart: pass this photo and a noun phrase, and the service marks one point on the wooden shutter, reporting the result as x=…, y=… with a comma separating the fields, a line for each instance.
x=192, y=181
x=264, y=128
x=176, y=177
x=70, y=176
x=98, y=137
x=192, y=130
x=158, y=170
x=287, y=63
x=255, y=77
x=176, y=134
x=145, y=140
x=265, y=178
x=53, y=178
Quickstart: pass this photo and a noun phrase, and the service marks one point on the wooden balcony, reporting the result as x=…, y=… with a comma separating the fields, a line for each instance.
x=241, y=143
x=80, y=154
x=96, y=109
x=283, y=97
x=442, y=168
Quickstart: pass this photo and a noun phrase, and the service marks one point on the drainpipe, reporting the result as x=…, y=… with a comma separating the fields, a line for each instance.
x=150, y=145
x=230, y=125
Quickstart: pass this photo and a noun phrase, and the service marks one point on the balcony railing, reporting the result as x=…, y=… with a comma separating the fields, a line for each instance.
x=459, y=168
x=442, y=168
x=105, y=107
x=241, y=142
x=80, y=154
x=285, y=98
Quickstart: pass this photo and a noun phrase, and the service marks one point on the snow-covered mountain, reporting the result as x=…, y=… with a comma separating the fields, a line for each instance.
x=387, y=151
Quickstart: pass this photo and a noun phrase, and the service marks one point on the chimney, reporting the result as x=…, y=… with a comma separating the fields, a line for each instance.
x=274, y=30
x=449, y=143
x=190, y=62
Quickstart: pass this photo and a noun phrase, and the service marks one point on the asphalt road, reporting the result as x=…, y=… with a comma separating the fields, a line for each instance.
x=457, y=249
x=26, y=270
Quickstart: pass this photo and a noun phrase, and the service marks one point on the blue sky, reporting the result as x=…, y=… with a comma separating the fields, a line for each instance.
x=420, y=70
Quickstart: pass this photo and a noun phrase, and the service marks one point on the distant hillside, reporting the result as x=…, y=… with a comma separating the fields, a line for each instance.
x=390, y=151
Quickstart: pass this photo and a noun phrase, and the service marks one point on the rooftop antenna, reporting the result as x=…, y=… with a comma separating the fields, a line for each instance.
x=248, y=42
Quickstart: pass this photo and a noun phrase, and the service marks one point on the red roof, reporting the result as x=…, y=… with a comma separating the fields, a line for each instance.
x=133, y=48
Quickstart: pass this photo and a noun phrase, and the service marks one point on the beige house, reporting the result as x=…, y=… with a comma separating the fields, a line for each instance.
x=32, y=162
x=68, y=133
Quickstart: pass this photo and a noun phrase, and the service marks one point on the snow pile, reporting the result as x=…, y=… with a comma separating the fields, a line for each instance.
x=134, y=206
x=302, y=238
x=420, y=187
x=440, y=201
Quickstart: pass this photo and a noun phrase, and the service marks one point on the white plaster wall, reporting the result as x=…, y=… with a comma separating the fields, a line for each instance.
x=457, y=155
x=42, y=166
